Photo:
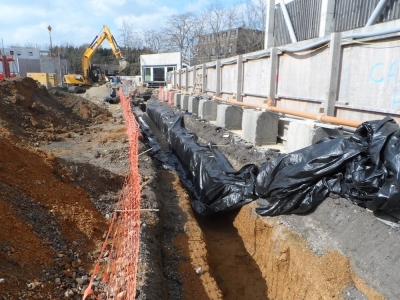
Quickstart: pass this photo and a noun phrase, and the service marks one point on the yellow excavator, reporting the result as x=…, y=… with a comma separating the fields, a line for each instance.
x=93, y=75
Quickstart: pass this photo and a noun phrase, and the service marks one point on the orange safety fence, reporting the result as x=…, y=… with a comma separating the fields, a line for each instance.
x=122, y=239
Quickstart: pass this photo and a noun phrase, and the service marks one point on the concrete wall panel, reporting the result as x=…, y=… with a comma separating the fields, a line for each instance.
x=304, y=74
x=302, y=106
x=211, y=79
x=370, y=76
x=256, y=76
x=229, y=78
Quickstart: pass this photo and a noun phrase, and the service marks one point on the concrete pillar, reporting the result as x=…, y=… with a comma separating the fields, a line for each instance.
x=302, y=134
x=239, y=70
x=327, y=21
x=208, y=110
x=184, y=102
x=204, y=83
x=218, y=70
x=334, y=70
x=259, y=127
x=273, y=70
x=193, y=106
x=194, y=79
x=180, y=78
x=175, y=79
x=269, y=26
x=229, y=116
x=177, y=99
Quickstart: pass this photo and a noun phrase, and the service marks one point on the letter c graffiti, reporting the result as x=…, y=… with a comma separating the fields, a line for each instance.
x=372, y=71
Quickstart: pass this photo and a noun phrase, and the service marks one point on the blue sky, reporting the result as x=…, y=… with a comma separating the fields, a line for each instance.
x=25, y=22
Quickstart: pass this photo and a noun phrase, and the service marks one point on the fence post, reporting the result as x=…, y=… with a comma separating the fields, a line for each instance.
x=273, y=69
x=186, y=78
x=239, y=71
x=327, y=22
x=269, y=26
x=334, y=71
x=204, y=83
x=180, y=79
x=194, y=79
x=218, y=70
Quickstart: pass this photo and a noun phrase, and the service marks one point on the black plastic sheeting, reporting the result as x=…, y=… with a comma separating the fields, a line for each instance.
x=215, y=185
x=363, y=168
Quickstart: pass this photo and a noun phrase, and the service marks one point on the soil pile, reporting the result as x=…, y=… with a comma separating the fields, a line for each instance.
x=50, y=229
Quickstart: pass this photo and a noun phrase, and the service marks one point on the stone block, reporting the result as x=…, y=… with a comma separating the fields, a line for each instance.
x=229, y=116
x=259, y=127
x=193, y=106
x=302, y=134
x=184, y=102
x=208, y=110
x=177, y=99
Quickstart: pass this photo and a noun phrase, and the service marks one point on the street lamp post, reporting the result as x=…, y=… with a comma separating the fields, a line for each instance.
x=49, y=29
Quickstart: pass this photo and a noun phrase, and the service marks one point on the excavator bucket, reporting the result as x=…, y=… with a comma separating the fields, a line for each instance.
x=123, y=65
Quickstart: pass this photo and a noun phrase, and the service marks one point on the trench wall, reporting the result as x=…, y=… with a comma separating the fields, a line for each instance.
x=365, y=86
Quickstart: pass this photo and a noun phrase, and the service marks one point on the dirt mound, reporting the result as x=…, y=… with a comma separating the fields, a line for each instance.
x=34, y=115
x=50, y=230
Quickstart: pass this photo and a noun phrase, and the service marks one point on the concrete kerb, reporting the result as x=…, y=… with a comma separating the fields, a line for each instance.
x=193, y=105
x=229, y=116
x=259, y=127
x=302, y=134
x=208, y=110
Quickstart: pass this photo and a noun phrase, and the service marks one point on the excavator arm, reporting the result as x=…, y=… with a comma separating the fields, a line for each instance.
x=98, y=40
x=73, y=79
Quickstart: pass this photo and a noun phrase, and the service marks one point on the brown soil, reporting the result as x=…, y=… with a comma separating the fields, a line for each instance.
x=50, y=229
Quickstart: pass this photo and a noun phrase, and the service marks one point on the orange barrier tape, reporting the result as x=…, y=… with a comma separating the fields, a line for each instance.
x=125, y=226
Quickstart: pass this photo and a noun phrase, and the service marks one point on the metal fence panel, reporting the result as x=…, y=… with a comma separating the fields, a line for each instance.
x=305, y=16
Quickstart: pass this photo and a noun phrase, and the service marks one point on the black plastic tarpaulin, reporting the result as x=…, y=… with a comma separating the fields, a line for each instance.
x=215, y=185
x=363, y=168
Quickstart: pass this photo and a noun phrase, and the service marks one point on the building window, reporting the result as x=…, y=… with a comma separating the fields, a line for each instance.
x=30, y=53
x=233, y=33
x=209, y=38
x=213, y=51
x=11, y=52
x=221, y=50
x=224, y=35
x=229, y=49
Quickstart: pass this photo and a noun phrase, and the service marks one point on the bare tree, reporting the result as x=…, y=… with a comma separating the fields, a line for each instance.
x=217, y=19
x=181, y=32
x=154, y=41
x=252, y=15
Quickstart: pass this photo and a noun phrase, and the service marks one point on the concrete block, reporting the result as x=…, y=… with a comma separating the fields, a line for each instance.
x=193, y=106
x=229, y=116
x=208, y=110
x=184, y=102
x=177, y=99
x=302, y=134
x=259, y=127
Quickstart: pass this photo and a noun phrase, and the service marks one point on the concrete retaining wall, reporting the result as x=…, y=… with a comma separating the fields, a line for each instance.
x=367, y=85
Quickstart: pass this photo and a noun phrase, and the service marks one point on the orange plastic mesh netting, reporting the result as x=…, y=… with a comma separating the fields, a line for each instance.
x=122, y=240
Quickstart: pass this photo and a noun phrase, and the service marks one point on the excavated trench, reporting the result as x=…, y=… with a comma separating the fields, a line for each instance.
x=241, y=255
x=59, y=183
